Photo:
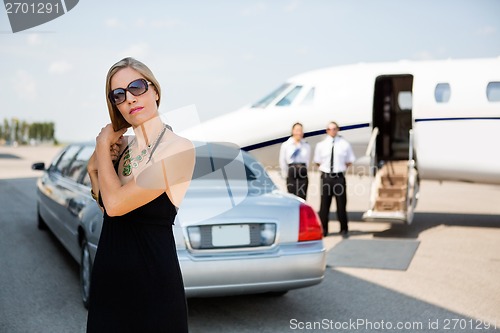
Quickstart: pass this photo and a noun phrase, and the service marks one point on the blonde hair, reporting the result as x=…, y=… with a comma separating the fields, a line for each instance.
x=114, y=114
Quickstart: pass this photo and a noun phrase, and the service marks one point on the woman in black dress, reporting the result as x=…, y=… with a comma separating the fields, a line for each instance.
x=139, y=182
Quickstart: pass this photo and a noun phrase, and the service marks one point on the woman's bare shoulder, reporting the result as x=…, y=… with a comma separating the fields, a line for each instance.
x=183, y=143
x=172, y=143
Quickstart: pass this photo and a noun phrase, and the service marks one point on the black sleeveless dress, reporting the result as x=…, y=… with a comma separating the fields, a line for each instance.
x=136, y=281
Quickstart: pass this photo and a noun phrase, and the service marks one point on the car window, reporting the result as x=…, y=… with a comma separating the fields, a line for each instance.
x=79, y=163
x=86, y=179
x=56, y=160
x=254, y=169
x=66, y=159
x=226, y=162
x=204, y=168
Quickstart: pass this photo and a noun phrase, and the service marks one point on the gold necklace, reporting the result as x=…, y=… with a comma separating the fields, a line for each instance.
x=130, y=163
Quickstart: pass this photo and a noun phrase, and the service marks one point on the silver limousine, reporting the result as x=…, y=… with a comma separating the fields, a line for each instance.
x=235, y=232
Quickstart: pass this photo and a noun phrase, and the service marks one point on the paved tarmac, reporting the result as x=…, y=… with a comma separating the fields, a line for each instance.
x=452, y=280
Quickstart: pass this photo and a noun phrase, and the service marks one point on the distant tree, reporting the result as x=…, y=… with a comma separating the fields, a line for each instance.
x=22, y=131
x=52, y=130
x=15, y=125
x=45, y=131
x=42, y=131
x=6, y=129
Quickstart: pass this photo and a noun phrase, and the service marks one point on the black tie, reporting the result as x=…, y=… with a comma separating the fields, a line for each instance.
x=331, y=157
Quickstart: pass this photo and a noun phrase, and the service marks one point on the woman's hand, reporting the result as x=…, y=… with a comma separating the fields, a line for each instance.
x=115, y=149
x=108, y=137
x=108, y=144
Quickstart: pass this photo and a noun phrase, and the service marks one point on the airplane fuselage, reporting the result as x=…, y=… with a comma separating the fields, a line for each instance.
x=452, y=106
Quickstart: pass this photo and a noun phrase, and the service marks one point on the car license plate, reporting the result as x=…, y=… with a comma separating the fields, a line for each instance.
x=231, y=235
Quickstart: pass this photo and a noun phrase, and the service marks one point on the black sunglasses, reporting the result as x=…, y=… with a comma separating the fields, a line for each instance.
x=136, y=88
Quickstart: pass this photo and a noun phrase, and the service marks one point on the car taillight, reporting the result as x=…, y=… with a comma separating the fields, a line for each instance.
x=310, y=227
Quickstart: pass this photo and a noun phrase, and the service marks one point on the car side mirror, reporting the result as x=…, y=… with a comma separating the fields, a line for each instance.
x=38, y=166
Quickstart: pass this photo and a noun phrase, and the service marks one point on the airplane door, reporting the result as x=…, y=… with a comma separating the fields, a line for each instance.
x=392, y=115
x=395, y=177
x=383, y=116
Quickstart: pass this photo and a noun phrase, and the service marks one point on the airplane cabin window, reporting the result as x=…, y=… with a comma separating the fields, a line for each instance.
x=269, y=98
x=442, y=92
x=288, y=99
x=405, y=100
x=308, y=100
x=493, y=91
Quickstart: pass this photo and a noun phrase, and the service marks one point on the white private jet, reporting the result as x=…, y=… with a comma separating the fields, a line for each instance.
x=411, y=119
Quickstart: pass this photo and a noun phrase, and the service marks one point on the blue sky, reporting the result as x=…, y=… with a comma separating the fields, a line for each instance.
x=220, y=55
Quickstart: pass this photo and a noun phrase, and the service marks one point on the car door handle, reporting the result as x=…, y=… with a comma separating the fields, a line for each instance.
x=75, y=206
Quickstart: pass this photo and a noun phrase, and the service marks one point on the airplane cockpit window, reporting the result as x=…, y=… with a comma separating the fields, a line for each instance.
x=442, y=92
x=288, y=99
x=271, y=97
x=308, y=100
x=493, y=91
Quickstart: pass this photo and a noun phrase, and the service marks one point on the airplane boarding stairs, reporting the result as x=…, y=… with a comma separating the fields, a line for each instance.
x=395, y=187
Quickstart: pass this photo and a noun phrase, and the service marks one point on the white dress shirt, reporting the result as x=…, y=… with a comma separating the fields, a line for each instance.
x=342, y=155
x=288, y=155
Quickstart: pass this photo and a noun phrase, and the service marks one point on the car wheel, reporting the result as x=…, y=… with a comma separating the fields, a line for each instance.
x=41, y=223
x=85, y=273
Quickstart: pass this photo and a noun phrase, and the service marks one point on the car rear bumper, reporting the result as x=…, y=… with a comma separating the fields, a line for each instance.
x=289, y=266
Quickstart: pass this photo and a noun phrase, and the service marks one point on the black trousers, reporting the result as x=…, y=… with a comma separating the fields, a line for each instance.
x=333, y=185
x=297, y=181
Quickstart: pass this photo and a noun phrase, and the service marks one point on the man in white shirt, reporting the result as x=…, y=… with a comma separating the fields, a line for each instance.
x=295, y=154
x=333, y=155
